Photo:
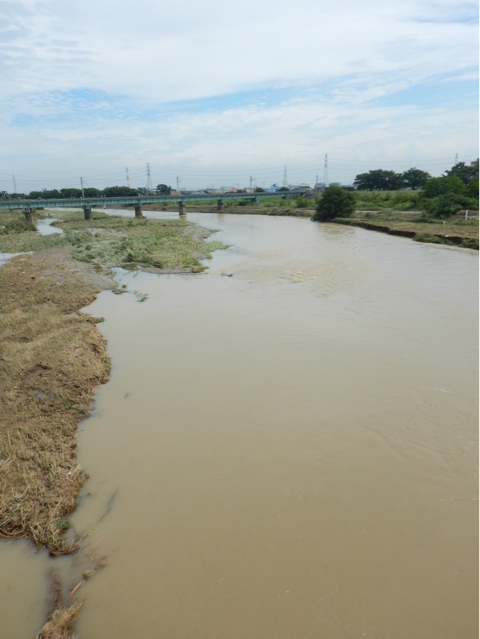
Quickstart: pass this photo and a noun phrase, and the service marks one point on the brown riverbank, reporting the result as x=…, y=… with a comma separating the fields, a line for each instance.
x=53, y=356
x=452, y=232
x=194, y=207
x=52, y=359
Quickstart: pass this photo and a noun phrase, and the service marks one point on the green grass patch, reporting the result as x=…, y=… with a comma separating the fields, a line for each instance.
x=19, y=236
x=381, y=200
x=26, y=242
x=132, y=243
x=110, y=241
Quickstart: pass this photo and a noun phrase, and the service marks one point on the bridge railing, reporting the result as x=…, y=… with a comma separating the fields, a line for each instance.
x=88, y=202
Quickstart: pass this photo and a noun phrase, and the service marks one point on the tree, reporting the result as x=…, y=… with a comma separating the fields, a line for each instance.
x=119, y=191
x=414, y=178
x=301, y=202
x=446, y=205
x=378, y=180
x=335, y=201
x=163, y=189
x=442, y=186
x=69, y=193
x=91, y=191
x=464, y=172
x=54, y=194
x=446, y=195
x=472, y=188
x=259, y=190
x=283, y=188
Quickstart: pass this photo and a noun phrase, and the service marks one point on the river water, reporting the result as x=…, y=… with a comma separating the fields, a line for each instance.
x=287, y=446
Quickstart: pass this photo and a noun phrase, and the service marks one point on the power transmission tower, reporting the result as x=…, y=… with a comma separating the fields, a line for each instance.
x=285, y=175
x=81, y=183
x=325, y=172
x=149, y=179
x=456, y=158
x=128, y=177
x=5, y=196
x=14, y=184
x=178, y=185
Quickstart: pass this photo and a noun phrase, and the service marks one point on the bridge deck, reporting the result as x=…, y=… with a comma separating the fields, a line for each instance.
x=88, y=202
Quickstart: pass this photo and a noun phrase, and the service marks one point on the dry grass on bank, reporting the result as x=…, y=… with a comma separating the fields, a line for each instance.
x=453, y=231
x=59, y=624
x=51, y=360
x=52, y=357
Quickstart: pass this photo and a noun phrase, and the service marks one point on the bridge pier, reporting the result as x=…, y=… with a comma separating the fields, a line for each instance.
x=138, y=210
x=87, y=213
x=220, y=205
x=29, y=216
x=182, y=208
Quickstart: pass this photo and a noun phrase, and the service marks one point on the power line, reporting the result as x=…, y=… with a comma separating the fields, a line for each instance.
x=149, y=179
x=232, y=176
x=139, y=171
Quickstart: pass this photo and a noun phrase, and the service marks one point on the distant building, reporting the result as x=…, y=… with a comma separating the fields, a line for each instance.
x=300, y=187
x=319, y=186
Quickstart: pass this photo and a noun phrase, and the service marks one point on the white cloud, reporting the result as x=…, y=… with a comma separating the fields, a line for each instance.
x=185, y=50
x=339, y=58
x=238, y=142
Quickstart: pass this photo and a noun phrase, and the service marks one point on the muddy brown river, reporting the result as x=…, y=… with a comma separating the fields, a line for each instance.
x=286, y=449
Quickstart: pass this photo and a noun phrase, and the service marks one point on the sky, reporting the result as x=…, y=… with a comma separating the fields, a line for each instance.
x=222, y=93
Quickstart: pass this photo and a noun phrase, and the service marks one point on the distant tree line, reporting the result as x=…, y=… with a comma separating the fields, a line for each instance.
x=439, y=197
x=109, y=191
x=383, y=180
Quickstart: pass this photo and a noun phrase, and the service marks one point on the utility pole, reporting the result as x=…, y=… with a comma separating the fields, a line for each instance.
x=285, y=175
x=149, y=179
x=456, y=158
x=316, y=182
x=178, y=185
x=128, y=177
x=14, y=184
x=325, y=172
x=81, y=183
x=251, y=182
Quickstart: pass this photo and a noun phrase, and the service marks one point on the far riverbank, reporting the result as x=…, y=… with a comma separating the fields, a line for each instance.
x=453, y=231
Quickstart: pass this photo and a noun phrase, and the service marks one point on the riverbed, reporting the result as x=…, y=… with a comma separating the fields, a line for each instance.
x=287, y=446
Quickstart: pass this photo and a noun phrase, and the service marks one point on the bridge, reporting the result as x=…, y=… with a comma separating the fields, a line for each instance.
x=29, y=206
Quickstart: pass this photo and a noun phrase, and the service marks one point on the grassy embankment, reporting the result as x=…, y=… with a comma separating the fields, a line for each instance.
x=393, y=212
x=397, y=213
x=53, y=357
x=271, y=206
